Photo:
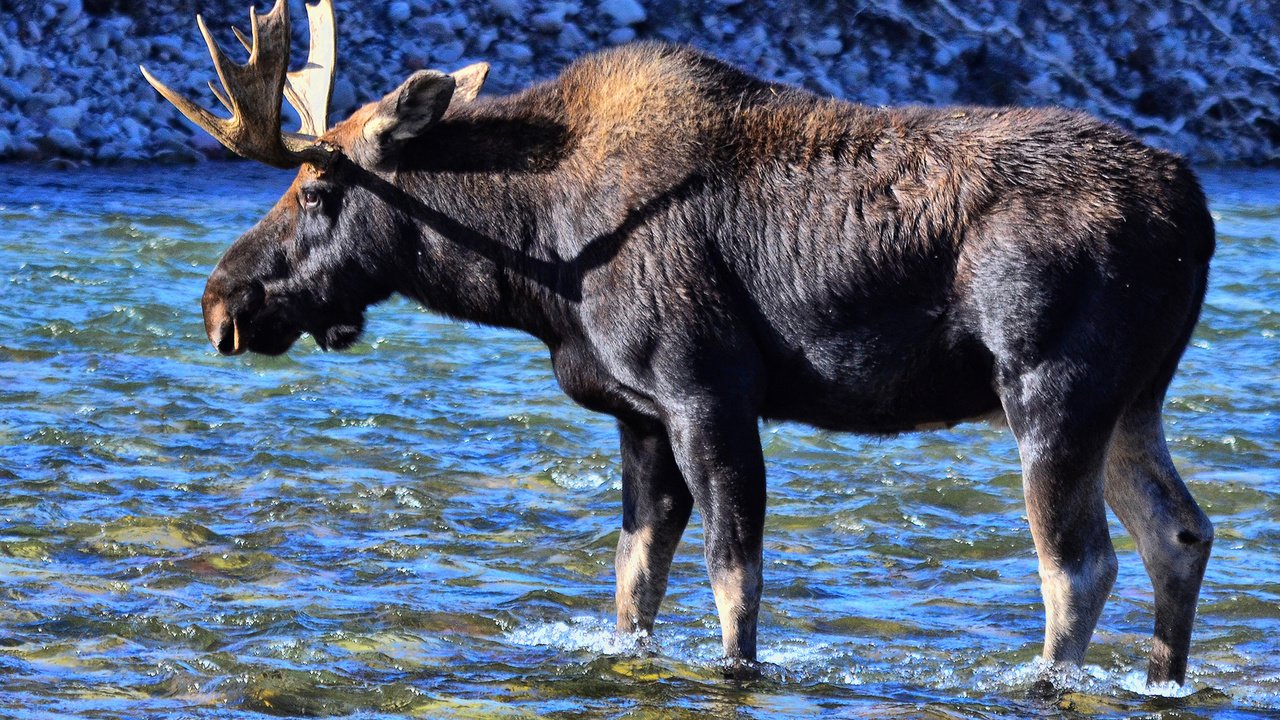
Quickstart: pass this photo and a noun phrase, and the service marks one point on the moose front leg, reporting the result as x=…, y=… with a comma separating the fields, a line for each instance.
x=655, y=509
x=720, y=456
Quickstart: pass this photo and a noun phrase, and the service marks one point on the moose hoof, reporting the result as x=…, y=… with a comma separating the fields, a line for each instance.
x=741, y=669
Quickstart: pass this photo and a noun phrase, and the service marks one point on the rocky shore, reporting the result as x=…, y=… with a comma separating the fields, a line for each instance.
x=1200, y=77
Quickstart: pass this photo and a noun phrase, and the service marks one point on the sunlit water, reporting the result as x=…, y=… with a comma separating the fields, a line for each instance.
x=425, y=526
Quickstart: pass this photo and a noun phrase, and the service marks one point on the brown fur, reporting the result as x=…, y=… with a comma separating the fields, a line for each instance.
x=699, y=249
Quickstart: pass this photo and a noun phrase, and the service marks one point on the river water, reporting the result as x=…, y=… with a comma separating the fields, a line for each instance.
x=424, y=526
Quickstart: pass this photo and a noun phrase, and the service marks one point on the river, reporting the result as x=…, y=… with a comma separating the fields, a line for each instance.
x=424, y=526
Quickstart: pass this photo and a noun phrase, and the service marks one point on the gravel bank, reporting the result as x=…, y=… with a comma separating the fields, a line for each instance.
x=1200, y=77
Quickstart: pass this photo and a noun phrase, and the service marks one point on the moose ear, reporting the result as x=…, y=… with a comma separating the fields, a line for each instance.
x=469, y=79
x=408, y=110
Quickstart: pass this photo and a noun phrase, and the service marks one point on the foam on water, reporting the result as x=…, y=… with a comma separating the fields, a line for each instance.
x=581, y=633
x=798, y=661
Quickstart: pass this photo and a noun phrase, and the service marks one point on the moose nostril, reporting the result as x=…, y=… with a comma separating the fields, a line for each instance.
x=222, y=329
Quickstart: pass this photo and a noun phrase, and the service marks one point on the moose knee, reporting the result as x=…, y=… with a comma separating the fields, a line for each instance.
x=1186, y=550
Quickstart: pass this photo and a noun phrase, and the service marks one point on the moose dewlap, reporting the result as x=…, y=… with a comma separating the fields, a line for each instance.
x=700, y=249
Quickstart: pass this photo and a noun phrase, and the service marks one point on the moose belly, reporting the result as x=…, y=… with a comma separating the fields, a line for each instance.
x=880, y=382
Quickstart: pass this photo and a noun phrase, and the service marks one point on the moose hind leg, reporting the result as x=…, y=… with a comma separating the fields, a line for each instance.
x=1172, y=534
x=1062, y=448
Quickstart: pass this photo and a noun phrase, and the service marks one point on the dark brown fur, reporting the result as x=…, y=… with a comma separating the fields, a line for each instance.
x=699, y=249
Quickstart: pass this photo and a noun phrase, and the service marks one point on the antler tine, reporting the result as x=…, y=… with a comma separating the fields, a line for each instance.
x=309, y=89
x=222, y=98
x=252, y=93
x=248, y=46
x=221, y=64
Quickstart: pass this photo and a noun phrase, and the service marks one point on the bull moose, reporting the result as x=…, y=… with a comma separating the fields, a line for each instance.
x=700, y=249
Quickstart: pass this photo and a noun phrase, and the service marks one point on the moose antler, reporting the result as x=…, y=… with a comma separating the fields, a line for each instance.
x=254, y=90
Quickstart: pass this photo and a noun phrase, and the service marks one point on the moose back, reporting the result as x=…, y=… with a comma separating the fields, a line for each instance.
x=700, y=249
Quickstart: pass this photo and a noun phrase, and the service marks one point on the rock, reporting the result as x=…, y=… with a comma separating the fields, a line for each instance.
x=170, y=46
x=448, y=52
x=66, y=116
x=414, y=60
x=398, y=12
x=624, y=12
x=13, y=89
x=438, y=30
x=515, y=52
x=548, y=22
x=826, y=47
x=571, y=37
x=133, y=130
x=622, y=35
x=1044, y=86
x=6, y=142
x=484, y=40
x=99, y=38
x=109, y=152
x=508, y=8
x=64, y=141
x=344, y=96
x=71, y=11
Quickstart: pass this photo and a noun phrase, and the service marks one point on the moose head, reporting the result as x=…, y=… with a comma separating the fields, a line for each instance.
x=331, y=245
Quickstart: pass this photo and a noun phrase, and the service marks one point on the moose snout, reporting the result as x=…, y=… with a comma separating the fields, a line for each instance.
x=225, y=308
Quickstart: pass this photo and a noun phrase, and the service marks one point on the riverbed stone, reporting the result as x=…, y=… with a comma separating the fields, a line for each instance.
x=508, y=8
x=622, y=35
x=398, y=12
x=344, y=95
x=515, y=52
x=624, y=12
x=826, y=47
x=64, y=141
x=66, y=116
x=1162, y=67
x=14, y=90
x=448, y=52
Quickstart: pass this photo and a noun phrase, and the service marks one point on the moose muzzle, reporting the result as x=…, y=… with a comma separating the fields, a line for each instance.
x=225, y=311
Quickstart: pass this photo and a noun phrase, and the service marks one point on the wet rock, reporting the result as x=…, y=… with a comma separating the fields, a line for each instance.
x=448, y=52
x=64, y=142
x=167, y=47
x=826, y=47
x=508, y=8
x=398, y=12
x=66, y=116
x=548, y=22
x=624, y=12
x=438, y=30
x=622, y=35
x=515, y=52
x=344, y=96
x=571, y=37
x=14, y=90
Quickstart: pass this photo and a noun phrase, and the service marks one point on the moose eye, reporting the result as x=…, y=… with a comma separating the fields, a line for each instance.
x=309, y=198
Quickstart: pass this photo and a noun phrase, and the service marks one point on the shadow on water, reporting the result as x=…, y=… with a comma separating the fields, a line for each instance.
x=424, y=526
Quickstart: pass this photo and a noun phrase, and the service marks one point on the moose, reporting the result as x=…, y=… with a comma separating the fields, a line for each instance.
x=700, y=249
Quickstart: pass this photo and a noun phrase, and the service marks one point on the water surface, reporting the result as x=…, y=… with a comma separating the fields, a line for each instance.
x=424, y=526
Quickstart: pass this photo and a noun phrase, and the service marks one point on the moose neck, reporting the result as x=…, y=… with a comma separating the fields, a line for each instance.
x=477, y=188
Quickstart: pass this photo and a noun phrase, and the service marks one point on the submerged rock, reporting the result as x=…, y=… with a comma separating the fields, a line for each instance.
x=624, y=12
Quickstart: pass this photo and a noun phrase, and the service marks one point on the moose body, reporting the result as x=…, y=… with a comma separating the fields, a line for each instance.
x=700, y=249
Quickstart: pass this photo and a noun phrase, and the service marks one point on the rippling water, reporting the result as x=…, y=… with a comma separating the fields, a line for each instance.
x=425, y=526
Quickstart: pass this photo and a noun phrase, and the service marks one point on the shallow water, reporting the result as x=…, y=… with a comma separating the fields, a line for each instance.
x=424, y=526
